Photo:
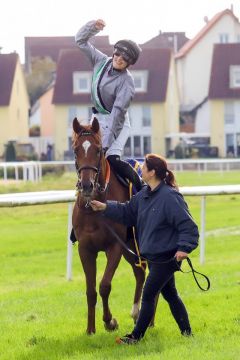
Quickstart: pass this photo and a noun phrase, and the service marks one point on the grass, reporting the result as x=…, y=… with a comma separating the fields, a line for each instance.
x=43, y=317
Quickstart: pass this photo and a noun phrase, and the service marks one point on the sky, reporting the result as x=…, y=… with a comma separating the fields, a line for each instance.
x=139, y=20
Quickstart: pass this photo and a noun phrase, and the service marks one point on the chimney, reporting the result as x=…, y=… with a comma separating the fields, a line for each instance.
x=205, y=19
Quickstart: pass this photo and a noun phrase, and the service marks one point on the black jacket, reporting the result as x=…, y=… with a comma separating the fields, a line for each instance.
x=162, y=218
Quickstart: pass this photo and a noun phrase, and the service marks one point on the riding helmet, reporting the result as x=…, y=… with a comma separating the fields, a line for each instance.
x=129, y=48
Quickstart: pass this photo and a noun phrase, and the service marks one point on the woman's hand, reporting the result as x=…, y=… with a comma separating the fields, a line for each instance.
x=97, y=205
x=181, y=255
x=100, y=24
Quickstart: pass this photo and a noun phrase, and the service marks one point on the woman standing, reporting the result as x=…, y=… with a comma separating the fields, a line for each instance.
x=166, y=235
x=112, y=91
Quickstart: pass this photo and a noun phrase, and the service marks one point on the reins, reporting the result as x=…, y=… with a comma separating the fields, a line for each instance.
x=143, y=259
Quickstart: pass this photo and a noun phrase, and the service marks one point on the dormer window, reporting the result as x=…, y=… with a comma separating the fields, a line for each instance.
x=140, y=78
x=223, y=38
x=82, y=82
x=234, y=76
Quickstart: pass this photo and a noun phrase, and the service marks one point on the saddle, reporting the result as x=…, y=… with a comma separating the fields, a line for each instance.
x=124, y=181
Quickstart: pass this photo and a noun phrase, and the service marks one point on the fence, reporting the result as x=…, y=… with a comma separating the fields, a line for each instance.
x=68, y=196
x=32, y=170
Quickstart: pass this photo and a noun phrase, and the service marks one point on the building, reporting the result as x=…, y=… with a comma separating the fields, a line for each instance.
x=194, y=61
x=224, y=99
x=14, y=101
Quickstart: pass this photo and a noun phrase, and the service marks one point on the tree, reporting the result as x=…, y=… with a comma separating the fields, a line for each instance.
x=43, y=73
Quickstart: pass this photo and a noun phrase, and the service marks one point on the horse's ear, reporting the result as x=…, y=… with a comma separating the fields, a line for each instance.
x=95, y=125
x=76, y=126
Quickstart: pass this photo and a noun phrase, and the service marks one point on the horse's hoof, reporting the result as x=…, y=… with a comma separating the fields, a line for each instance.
x=90, y=332
x=111, y=325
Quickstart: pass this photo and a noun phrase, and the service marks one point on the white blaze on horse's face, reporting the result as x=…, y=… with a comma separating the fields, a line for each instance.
x=86, y=144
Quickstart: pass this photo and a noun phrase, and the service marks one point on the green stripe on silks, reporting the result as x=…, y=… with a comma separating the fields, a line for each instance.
x=95, y=80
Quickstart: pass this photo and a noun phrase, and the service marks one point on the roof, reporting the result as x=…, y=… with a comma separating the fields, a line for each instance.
x=224, y=55
x=167, y=40
x=156, y=61
x=8, y=64
x=52, y=45
x=191, y=43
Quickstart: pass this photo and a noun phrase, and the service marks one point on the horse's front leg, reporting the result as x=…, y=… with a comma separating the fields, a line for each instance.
x=88, y=260
x=113, y=257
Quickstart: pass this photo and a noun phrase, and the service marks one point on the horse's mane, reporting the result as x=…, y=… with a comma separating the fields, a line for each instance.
x=87, y=130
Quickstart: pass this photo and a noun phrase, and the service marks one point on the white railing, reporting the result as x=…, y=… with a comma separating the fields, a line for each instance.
x=68, y=196
x=32, y=170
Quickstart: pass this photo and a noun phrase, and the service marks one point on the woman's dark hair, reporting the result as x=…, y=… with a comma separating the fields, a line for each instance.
x=159, y=164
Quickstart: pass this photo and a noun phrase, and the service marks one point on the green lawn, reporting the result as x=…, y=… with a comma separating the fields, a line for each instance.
x=43, y=317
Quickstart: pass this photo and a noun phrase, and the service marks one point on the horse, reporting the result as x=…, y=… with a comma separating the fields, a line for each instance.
x=93, y=231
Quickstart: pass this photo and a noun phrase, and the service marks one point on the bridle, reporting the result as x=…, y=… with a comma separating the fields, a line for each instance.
x=96, y=185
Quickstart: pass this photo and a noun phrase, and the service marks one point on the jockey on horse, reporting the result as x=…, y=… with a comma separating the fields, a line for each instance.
x=112, y=91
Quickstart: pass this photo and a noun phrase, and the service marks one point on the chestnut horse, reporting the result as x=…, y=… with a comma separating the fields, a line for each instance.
x=92, y=230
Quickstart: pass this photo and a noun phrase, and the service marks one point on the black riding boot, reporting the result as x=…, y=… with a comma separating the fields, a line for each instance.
x=125, y=170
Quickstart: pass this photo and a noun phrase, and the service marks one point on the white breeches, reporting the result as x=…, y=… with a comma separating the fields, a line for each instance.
x=118, y=144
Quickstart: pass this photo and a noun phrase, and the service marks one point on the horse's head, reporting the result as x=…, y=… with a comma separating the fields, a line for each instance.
x=88, y=151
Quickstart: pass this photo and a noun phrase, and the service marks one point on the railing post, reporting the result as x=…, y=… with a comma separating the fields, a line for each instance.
x=202, y=231
x=69, y=244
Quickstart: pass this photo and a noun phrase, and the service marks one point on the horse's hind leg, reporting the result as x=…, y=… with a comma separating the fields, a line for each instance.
x=88, y=260
x=139, y=274
x=113, y=257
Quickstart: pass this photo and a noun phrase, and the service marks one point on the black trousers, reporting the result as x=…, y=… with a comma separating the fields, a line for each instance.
x=161, y=279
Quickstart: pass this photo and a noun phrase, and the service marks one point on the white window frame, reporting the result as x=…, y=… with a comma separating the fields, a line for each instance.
x=142, y=77
x=77, y=77
x=234, y=76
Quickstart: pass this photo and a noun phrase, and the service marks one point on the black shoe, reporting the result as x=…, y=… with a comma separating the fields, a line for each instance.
x=187, y=333
x=124, y=169
x=73, y=237
x=128, y=339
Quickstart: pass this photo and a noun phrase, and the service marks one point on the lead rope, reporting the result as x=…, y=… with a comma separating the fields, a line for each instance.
x=140, y=263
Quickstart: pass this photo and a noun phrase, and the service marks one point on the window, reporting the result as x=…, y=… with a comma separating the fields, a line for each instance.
x=80, y=112
x=72, y=113
x=140, y=80
x=223, y=38
x=146, y=145
x=229, y=113
x=146, y=116
x=137, y=145
x=81, y=82
x=235, y=76
x=230, y=144
x=127, y=148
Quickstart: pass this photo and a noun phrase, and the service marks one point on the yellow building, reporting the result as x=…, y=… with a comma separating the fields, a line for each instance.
x=14, y=101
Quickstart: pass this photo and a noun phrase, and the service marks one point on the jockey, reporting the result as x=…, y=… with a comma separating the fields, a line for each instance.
x=112, y=91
